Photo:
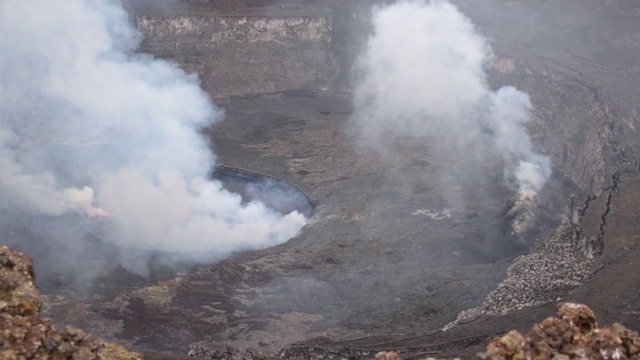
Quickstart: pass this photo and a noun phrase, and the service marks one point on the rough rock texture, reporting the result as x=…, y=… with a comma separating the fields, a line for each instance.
x=19, y=296
x=259, y=49
x=24, y=335
x=573, y=334
x=558, y=265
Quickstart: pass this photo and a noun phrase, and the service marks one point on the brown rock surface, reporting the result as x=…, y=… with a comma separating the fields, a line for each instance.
x=27, y=336
x=572, y=334
x=18, y=293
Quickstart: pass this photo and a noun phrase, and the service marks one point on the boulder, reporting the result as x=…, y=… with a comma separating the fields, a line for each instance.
x=24, y=335
x=572, y=334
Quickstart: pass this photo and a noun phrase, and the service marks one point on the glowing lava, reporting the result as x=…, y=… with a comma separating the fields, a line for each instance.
x=97, y=212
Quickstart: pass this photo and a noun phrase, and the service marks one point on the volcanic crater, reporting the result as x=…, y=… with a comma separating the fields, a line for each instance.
x=386, y=261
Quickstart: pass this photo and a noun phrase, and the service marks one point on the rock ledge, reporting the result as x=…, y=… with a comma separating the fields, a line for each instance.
x=24, y=335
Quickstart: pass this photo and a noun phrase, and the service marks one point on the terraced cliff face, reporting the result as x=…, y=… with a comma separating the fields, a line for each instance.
x=243, y=52
x=576, y=69
x=346, y=277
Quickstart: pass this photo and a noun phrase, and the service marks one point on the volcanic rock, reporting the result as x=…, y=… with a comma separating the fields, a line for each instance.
x=572, y=334
x=578, y=59
x=27, y=336
x=18, y=293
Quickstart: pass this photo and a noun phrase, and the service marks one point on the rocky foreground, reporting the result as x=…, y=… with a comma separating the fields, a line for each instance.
x=24, y=335
x=573, y=334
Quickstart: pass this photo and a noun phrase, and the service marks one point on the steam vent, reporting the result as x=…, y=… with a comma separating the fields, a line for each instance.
x=244, y=179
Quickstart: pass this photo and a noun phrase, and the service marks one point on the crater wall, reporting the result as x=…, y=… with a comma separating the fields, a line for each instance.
x=264, y=50
x=585, y=114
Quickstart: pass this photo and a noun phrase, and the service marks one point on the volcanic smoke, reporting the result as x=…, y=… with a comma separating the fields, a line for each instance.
x=422, y=74
x=87, y=125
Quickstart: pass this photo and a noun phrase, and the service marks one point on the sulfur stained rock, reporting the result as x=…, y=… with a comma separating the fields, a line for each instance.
x=572, y=334
x=24, y=335
x=579, y=315
x=18, y=293
x=630, y=339
x=511, y=345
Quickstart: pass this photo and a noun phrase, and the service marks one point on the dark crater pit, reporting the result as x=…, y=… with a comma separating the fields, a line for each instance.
x=252, y=186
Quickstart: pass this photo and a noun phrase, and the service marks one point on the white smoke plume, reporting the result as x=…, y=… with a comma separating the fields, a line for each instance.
x=422, y=74
x=88, y=125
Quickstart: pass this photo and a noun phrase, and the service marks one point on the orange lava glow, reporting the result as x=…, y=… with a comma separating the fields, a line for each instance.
x=97, y=212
